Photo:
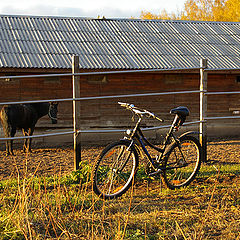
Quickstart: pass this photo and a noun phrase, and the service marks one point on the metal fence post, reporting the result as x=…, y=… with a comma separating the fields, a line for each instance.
x=203, y=108
x=76, y=112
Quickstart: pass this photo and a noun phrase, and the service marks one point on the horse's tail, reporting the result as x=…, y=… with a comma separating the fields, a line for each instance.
x=4, y=115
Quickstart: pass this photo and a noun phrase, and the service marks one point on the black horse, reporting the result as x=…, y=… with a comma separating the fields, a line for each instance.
x=25, y=117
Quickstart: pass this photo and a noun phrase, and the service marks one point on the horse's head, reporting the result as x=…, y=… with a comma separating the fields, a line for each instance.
x=52, y=112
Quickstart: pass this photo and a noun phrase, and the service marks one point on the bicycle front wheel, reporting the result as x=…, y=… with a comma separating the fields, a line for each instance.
x=182, y=162
x=115, y=169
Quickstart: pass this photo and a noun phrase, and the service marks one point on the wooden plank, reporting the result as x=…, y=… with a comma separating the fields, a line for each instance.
x=76, y=113
x=203, y=109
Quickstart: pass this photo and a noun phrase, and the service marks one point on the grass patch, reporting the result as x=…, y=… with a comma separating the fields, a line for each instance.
x=64, y=207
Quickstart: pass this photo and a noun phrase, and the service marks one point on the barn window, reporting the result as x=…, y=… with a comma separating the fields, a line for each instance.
x=9, y=80
x=238, y=79
x=97, y=79
x=173, y=78
x=52, y=80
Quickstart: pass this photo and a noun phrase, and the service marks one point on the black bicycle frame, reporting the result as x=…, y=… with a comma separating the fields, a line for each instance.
x=143, y=142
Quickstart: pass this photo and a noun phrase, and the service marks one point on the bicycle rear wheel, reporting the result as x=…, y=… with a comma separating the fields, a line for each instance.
x=182, y=162
x=115, y=169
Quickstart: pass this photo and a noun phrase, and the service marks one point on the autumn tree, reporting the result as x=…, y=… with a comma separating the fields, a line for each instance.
x=231, y=11
x=162, y=15
x=203, y=10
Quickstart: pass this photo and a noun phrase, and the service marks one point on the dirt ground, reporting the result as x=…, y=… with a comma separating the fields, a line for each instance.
x=208, y=209
x=42, y=161
x=48, y=161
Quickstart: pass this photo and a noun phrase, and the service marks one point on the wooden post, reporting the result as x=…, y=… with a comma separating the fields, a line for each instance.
x=76, y=112
x=203, y=108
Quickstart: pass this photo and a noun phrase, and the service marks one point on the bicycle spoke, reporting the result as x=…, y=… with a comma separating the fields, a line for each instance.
x=182, y=163
x=115, y=170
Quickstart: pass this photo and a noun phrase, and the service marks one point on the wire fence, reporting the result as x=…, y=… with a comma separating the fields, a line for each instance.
x=95, y=98
x=202, y=92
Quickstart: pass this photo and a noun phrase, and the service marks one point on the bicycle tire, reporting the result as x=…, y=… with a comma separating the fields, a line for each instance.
x=180, y=167
x=109, y=180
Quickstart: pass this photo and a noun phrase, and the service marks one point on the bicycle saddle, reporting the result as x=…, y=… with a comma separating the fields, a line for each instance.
x=180, y=111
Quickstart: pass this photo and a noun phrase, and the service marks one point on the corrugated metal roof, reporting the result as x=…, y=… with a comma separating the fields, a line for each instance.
x=49, y=42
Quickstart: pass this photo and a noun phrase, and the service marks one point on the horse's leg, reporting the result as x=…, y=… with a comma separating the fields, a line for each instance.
x=7, y=130
x=12, y=132
x=7, y=149
x=25, y=140
x=8, y=144
x=30, y=133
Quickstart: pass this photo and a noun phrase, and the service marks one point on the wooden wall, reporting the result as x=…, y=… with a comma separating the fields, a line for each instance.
x=107, y=113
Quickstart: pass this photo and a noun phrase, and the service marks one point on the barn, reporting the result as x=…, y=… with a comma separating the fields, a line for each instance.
x=34, y=45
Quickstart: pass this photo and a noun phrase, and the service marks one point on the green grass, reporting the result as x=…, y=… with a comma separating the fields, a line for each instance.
x=64, y=207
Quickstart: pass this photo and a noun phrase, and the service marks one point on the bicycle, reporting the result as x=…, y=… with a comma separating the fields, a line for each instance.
x=178, y=160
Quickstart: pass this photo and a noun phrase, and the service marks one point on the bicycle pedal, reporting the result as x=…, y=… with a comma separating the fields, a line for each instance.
x=155, y=173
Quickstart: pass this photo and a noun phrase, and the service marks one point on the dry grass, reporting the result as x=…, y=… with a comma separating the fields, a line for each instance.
x=62, y=206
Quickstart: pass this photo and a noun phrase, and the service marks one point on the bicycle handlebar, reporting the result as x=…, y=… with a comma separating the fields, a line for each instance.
x=139, y=111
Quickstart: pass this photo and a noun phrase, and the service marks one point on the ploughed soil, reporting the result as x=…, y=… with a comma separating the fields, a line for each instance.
x=47, y=161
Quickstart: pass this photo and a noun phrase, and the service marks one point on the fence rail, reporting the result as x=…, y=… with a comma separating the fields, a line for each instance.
x=203, y=71
x=221, y=93
x=100, y=73
x=101, y=97
x=38, y=136
x=93, y=131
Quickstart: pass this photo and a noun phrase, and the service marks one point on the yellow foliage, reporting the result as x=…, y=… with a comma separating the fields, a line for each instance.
x=202, y=10
x=232, y=11
x=163, y=15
